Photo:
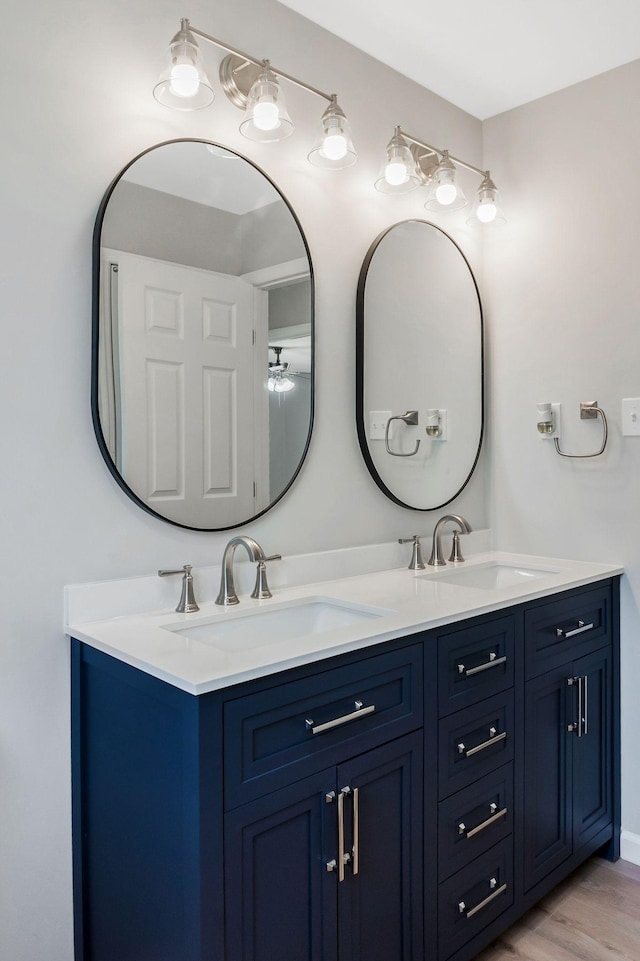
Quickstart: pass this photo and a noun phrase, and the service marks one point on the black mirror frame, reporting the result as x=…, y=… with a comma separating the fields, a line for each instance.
x=95, y=337
x=360, y=342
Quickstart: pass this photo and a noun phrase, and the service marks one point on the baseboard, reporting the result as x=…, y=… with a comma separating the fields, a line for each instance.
x=630, y=847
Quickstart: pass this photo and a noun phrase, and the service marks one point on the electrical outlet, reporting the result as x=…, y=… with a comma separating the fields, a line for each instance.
x=378, y=420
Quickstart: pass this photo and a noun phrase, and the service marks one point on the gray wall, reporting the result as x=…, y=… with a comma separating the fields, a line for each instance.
x=564, y=289
x=70, y=124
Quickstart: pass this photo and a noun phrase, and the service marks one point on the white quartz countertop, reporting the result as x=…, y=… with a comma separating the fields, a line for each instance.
x=405, y=601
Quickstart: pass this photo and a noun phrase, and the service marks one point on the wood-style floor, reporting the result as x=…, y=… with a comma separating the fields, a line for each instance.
x=593, y=916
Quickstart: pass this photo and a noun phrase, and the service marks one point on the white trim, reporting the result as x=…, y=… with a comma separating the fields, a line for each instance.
x=630, y=847
x=278, y=275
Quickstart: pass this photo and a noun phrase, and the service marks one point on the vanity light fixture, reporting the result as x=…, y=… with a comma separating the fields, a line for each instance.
x=411, y=162
x=253, y=86
x=445, y=193
x=279, y=381
x=398, y=174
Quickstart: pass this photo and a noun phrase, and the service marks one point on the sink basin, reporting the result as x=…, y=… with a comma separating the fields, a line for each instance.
x=491, y=576
x=246, y=630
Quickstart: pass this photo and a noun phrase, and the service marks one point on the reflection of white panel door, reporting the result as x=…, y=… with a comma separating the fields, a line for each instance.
x=187, y=387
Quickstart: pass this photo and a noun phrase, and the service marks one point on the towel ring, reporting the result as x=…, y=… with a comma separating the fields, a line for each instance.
x=411, y=419
x=589, y=410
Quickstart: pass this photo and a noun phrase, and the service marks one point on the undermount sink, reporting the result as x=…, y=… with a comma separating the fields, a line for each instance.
x=249, y=629
x=491, y=576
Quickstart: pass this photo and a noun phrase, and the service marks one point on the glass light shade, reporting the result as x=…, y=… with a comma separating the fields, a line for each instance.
x=444, y=193
x=183, y=84
x=334, y=147
x=398, y=174
x=267, y=117
x=283, y=384
x=487, y=210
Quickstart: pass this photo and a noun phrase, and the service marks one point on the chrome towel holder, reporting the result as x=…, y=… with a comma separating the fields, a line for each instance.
x=411, y=419
x=589, y=410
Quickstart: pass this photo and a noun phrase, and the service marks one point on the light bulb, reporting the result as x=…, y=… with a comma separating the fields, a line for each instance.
x=266, y=115
x=395, y=173
x=184, y=79
x=283, y=384
x=334, y=146
x=271, y=383
x=486, y=212
x=446, y=193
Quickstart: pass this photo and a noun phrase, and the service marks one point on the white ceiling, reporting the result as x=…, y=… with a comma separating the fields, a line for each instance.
x=487, y=56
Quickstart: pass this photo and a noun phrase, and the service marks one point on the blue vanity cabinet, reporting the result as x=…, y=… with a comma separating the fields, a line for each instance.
x=287, y=897
x=570, y=732
x=405, y=802
x=210, y=828
x=529, y=775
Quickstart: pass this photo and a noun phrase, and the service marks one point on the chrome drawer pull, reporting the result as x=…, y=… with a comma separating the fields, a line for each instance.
x=492, y=662
x=360, y=711
x=495, y=816
x=560, y=632
x=494, y=737
x=462, y=908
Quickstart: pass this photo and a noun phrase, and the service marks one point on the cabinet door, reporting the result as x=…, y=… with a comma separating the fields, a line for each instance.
x=592, y=788
x=380, y=901
x=280, y=899
x=548, y=775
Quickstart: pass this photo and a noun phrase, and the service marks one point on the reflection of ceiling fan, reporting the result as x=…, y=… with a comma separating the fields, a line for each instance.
x=278, y=373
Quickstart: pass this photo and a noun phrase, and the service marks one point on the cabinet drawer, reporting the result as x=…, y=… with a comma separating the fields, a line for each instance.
x=281, y=734
x=473, y=820
x=475, y=663
x=474, y=897
x=570, y=626
x=475, y=742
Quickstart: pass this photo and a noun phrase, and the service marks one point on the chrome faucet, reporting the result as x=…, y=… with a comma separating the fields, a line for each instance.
x=436, y=559
x=227, y=593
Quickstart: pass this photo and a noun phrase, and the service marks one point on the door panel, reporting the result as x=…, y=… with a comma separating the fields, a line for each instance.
x=548, y=788
x=380, y=907
x=280, y=900
x=187, y=381
x=592, y=794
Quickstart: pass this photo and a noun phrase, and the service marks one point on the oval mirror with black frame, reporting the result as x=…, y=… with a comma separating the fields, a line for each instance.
x=420, y=374
x=202, y=375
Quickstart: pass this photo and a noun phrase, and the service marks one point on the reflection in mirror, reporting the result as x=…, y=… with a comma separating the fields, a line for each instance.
x=419, y=366
x=200, y=270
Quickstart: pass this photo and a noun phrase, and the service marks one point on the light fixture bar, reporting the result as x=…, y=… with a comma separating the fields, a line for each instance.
x=441, y=153
x=258, y=63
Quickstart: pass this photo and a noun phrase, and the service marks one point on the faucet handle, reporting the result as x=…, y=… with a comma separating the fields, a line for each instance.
x=187, y=603
x=261, y=590
x=416, y=563
x=456, y=554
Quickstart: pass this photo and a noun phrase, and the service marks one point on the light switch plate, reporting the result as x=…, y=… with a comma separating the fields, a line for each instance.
x=631, y=416
x=378, y=423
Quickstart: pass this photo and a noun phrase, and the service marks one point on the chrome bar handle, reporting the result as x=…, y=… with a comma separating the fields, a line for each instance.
x=356, y=830
x=360, y=711
x=579, y=726
x=462, y=907
x=560, y=632
x=583, y=705
x=343, y=856
x=495, y=816
x=580, y=706
x=493, y=661
x=494, y=737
